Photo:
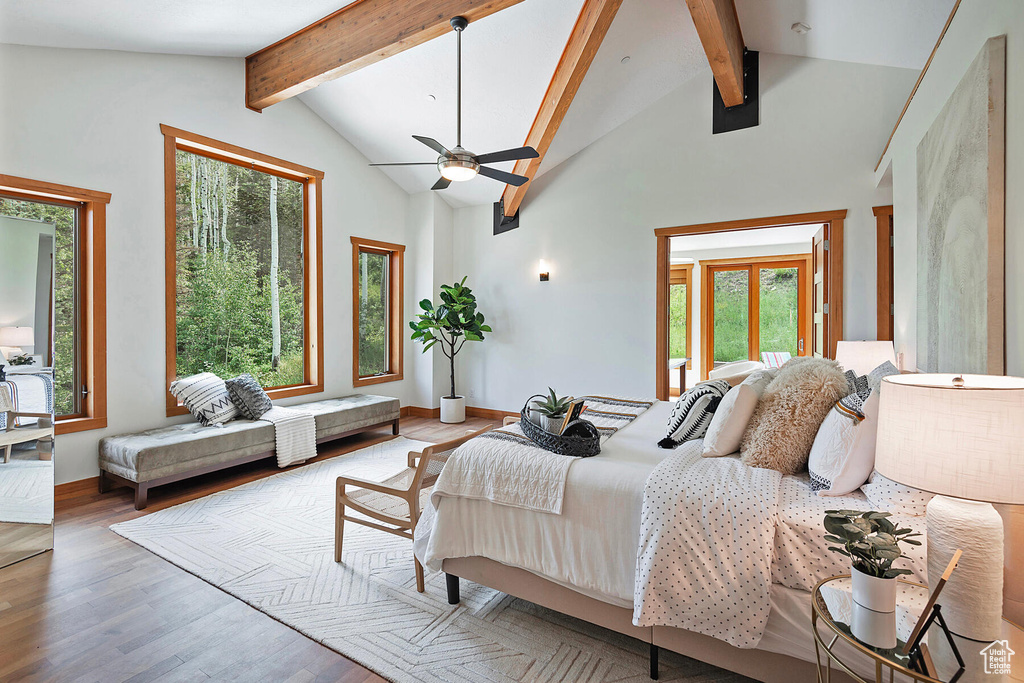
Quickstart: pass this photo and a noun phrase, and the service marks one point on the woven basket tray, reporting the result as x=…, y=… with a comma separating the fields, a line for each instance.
x=580, y=438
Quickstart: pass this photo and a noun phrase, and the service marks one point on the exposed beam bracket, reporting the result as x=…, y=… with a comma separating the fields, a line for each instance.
x=503, y=223
x=747, y=115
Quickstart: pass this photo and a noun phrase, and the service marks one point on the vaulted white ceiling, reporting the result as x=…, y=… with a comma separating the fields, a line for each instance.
x=508, y=60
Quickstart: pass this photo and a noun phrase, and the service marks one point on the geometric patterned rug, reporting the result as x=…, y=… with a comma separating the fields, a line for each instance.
x=270, y=544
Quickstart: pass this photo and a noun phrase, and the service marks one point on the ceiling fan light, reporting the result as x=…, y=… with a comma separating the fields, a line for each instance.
x=458, y=170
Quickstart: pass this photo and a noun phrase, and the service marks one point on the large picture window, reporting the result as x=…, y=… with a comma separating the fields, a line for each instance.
x=376, y=311
x=243, y=244
x=69, y=321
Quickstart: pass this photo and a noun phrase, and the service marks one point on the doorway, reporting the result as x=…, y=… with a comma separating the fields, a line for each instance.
x=803, y=292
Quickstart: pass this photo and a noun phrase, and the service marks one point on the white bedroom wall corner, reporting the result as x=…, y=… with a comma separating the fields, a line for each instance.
x=98, y=113
x=591, y=327
x=975, y=22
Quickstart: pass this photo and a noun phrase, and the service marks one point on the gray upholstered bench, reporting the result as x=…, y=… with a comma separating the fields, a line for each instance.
x=161, y=456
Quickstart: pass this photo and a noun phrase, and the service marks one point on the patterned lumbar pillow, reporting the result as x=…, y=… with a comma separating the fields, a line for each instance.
x=692, y=413
x=248, y=396
x=206, y=397
x=843, y=454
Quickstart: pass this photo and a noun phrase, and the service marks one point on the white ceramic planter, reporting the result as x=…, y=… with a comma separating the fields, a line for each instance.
x=453, y=410
x=878, y=595
x=877, y=629
x=551, y=424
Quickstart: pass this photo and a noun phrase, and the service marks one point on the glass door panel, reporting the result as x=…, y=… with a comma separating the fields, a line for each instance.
x=779, y=324
x=731, y=315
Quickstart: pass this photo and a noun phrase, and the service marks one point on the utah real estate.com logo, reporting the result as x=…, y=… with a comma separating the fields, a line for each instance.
x=997, y=657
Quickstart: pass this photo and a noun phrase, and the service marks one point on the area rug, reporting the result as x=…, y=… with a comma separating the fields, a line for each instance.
x=26, y=488
x=270, y=543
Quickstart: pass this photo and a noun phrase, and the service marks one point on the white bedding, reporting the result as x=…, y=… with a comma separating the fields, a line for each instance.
x=591, y=547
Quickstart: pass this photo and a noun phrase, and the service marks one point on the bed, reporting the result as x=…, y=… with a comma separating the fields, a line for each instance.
x=32, y=391
x=584, y=561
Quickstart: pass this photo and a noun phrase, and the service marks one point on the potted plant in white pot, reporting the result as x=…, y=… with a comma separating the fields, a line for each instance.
x=451, y=324
x=550, y=413
x=871, y=542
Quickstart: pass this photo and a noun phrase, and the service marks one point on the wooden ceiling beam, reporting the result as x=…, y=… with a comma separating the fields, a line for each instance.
x=363, y=32
x=591, y=26
x=719, y=29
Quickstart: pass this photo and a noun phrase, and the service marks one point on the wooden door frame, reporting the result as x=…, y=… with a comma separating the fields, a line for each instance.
x=833, y=222
x=884, y=261
x=803, y=264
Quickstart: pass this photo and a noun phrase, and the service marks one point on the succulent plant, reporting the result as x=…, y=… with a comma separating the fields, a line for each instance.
x=869, y=539
x=552, y=406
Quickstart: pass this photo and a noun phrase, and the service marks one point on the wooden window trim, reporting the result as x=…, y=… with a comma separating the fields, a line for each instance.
x=92, y=323
x=833, y=222
x=312, y=241
x=396, y=287
x=884, y=262
x=687, y=278
x=753, y=266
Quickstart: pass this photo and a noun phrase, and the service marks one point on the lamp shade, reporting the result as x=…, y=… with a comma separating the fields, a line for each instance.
x=965, y=442
x=17, y=336
x=864, y=356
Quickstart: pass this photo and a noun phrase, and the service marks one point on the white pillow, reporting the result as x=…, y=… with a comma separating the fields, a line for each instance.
x=206, y=397
x=886, y=495
x=7, y=351
x=843, y=455
x=730, y=421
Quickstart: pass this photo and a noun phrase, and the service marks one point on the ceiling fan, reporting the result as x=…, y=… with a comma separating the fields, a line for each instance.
x=460, y=164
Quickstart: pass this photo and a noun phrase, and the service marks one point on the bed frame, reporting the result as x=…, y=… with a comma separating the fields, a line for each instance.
x=769, y=667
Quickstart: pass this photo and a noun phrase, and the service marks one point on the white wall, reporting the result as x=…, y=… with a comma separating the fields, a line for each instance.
x=976, y=21
x=91, y=119
x=591, y=328
x=698, y=255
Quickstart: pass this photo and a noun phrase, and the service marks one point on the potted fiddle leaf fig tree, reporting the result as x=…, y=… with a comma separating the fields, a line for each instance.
x=451, y=324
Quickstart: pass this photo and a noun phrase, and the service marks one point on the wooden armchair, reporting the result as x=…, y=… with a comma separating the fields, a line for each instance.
x=12, y=435
x=395, y=501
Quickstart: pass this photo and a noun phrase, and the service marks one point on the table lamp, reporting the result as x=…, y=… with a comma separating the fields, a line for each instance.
x=961, y=437
x=17, y=337
x=864, y=356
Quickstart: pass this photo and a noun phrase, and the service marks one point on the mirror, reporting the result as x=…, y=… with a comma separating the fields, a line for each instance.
x=26, y=387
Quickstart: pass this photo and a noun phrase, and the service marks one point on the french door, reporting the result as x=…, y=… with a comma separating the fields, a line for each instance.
x=755, y=305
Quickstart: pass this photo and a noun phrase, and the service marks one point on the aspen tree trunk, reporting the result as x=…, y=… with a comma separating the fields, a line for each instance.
x=275, y=300
x=225, y=198
x=195, y=203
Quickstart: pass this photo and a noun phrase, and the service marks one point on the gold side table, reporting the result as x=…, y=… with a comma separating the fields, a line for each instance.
x=999, y=662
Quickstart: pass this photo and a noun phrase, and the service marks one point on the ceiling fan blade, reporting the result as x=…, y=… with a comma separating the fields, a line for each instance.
x=441, y=184
x=408, y=163
x=510, y=178
x=434, y=145
x=508, y=155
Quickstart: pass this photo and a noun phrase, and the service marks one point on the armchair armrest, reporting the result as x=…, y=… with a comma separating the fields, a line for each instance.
x=367, y=484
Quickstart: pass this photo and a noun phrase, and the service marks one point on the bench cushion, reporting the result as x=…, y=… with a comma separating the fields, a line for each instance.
x=169, y=451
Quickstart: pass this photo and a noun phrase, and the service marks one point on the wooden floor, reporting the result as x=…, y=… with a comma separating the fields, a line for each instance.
x=100, y=608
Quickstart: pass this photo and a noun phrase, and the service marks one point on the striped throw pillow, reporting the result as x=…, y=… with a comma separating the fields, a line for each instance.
x=206, y=397
x=692, y=413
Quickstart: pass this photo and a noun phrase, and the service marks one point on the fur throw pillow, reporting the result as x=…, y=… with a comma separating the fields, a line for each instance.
x=781, y=432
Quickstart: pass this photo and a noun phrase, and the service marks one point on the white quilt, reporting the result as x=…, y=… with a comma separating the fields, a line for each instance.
x=704, y=561
x=294, y=434
x=505, y=467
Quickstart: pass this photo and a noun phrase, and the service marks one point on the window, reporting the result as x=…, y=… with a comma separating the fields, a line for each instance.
x=377, y=327
x=243, y=266
x=73, y=339
x=679, y=297
x=755, y=305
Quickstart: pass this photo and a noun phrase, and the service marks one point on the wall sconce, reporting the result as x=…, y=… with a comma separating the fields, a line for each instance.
x=542, y=268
